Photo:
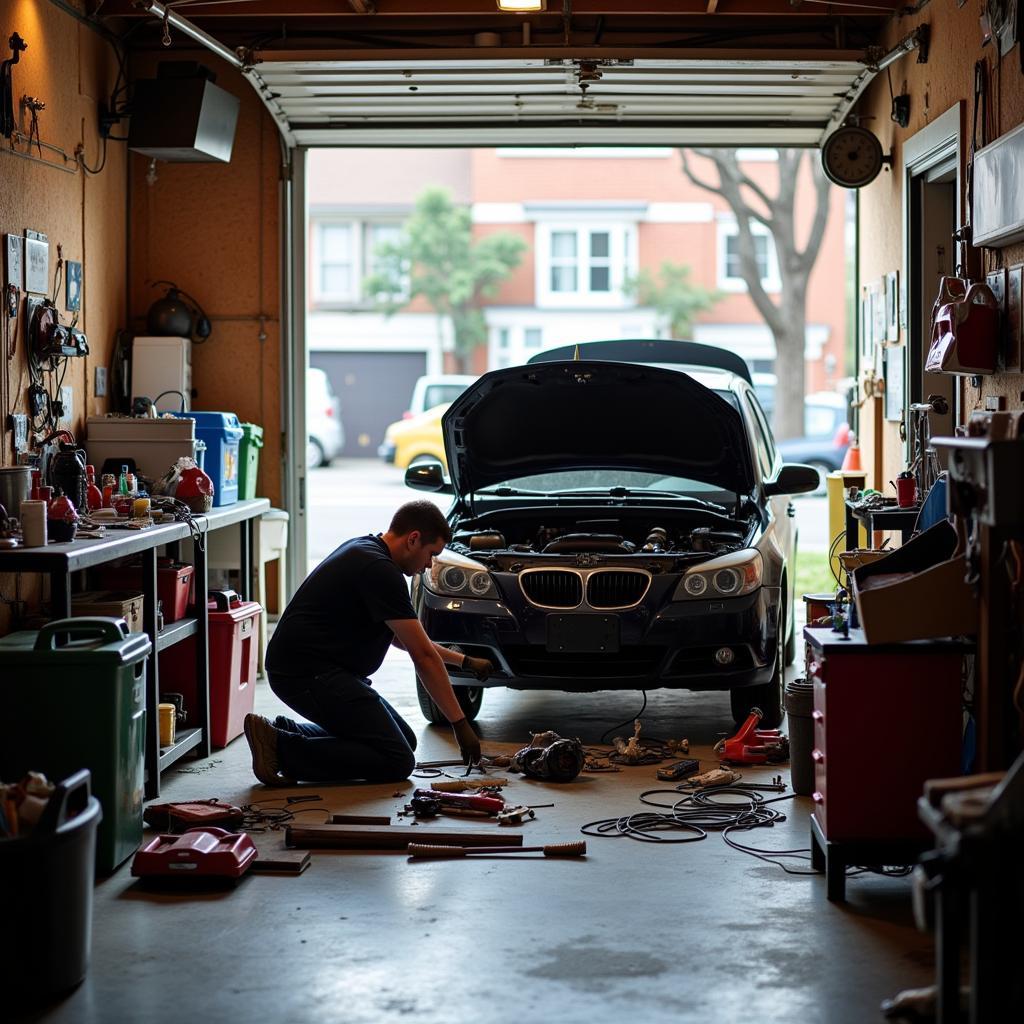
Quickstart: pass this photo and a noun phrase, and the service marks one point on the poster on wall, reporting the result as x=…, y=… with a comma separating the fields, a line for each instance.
x=878, y=312
x=894, y=365
x=72, y=286
x=14, y=261
x=892, y=306
x=37, y=263
x=1013, y=318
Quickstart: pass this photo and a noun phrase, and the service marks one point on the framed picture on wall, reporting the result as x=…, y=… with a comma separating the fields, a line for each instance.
x=892, y=306
x=867, y=346
x=1013, y=319
x=894, y=373
x=879, y=314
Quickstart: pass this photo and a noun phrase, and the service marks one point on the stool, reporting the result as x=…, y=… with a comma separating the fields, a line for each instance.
x=270, y=542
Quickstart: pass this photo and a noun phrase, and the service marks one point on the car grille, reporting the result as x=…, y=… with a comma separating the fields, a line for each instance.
x=616, y=589
x=553, y=588
x=629, y=661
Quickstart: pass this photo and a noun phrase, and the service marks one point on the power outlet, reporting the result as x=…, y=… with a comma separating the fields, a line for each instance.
x=18, y=425
x=67, y=399
x=100, y=386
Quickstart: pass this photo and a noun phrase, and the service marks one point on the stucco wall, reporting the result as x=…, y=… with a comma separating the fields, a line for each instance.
x=72, y=69
x=934, y=87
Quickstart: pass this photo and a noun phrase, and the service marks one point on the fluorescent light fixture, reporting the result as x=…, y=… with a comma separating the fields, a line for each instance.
x=522, y=6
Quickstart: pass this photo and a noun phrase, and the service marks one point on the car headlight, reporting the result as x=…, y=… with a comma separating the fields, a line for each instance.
x=731, y=575
x=454, y=575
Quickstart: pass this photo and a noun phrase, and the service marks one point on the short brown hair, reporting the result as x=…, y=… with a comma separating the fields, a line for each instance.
x=424, y=516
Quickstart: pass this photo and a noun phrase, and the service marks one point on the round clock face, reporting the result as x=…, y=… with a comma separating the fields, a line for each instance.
x=852, y=157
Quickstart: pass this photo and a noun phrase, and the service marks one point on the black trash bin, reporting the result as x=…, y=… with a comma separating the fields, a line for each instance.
x=799, y=700
x=46, y=924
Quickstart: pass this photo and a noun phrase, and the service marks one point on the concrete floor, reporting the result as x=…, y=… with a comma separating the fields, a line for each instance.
x=651, y=933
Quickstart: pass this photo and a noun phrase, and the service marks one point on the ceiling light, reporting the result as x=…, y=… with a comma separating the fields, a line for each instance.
x=522, y=6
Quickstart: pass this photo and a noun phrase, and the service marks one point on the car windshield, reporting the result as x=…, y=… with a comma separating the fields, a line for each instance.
x=602, y=480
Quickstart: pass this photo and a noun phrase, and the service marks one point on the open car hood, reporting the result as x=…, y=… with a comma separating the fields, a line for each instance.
x=546, y=417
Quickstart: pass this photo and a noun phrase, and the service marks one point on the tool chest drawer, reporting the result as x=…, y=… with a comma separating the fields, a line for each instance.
x=886, y=718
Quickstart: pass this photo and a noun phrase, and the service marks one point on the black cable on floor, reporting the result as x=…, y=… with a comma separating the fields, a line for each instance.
x=628, y=721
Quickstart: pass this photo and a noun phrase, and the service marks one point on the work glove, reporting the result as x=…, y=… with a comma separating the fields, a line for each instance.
x=469, y=742
x=480, y=667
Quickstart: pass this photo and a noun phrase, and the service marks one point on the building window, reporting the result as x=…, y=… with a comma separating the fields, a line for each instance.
x=503, y=338
x=345, y=253
x=584, y=264
x=730, y=276
x=533, y=337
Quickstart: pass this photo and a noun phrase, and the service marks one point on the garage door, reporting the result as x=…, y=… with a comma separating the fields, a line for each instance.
x=374, y=388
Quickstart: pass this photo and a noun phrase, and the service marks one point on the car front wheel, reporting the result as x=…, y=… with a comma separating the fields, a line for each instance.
x=314, y=454
x=469, y=697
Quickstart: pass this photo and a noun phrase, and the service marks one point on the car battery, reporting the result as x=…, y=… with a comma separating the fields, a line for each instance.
x=174, y=583
x=233, y=636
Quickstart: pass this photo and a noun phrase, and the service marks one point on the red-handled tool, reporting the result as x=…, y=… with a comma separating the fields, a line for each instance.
x=752, y=745
x=424, y=799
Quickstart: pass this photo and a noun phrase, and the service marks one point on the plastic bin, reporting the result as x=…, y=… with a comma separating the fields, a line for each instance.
x=73, y=696
x=154, y=444
x=174, y=584
x=46, y=924
x=233, y=647
x=249, y=460
x=799, y=700
x=222, y=434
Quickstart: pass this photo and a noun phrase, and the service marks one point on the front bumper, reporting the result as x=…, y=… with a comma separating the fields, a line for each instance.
x=672, y=647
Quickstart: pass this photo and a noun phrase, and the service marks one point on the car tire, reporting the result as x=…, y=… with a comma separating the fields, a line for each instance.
x=766, y=696
x=469, y=697
x=314, y=454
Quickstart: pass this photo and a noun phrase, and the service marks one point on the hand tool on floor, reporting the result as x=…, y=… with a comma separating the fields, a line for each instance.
x=751, y=745
x=469, y=785
x=427, y=803
x=555, y=850
x=715, y=777
x=516, y=815
x=386, y=837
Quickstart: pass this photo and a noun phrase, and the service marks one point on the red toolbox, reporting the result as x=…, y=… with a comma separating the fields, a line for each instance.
x=233, y=636
x=174, y=583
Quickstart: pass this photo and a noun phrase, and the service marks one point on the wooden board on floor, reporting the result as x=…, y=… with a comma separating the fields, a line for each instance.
x=274, y=856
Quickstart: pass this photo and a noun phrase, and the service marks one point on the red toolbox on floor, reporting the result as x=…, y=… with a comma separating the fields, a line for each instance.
x=173, y=583
x=233, y=636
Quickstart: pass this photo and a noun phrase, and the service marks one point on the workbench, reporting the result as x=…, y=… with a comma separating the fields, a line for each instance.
x=60, y=561
x=875, y=520
x=886, y=718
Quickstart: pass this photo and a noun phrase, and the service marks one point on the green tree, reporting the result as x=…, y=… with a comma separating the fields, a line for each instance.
x=672, y=294
x=436, y=258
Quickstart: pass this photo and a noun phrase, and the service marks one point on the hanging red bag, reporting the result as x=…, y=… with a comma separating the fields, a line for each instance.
x=965, y=330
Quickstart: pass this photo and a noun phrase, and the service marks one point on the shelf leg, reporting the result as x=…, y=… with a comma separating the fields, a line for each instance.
x=149, y=600
x=202, y=647
x=245, y=559
x=60, y=594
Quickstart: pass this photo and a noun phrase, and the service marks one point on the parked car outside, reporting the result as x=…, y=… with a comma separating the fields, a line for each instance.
x=435, y=389
x=615, y=526
x=826, y=436
x=325, y=435
x=414, y=440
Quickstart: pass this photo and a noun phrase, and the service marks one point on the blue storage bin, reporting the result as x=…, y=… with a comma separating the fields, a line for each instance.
x=222, y=434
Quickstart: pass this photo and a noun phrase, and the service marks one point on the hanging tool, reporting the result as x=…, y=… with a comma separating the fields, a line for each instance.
x=7, y=122
x=556, y=850
x=751, y=745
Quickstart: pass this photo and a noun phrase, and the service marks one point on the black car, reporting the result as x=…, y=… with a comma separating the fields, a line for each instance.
x=616, y=525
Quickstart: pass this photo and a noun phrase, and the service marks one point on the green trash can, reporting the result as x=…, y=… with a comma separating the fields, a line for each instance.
x=74, y=696
x=249, y=460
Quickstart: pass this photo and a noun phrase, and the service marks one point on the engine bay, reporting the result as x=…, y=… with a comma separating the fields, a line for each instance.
x=512, y=540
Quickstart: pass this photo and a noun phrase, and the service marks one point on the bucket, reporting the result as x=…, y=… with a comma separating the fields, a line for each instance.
x=799, y=700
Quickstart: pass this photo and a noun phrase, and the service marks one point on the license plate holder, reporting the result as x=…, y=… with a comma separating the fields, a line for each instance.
x=583, y=634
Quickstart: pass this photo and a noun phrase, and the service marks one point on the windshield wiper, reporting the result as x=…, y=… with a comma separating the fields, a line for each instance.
x=506, y=492
x=641, y=492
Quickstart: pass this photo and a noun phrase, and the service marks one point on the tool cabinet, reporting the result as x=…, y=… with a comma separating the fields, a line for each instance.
x=886, y=718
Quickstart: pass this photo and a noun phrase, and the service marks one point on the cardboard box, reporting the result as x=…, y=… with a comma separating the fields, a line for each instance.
x=917, y=592
x=121, y=604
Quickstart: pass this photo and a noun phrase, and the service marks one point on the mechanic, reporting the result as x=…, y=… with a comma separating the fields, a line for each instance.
x=332, y=636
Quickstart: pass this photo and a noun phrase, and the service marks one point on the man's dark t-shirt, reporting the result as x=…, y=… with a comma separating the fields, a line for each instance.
x=337, y=617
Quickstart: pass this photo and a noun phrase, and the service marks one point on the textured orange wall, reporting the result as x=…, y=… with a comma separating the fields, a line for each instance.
x=946, y=79
x=71, y=68
x=213, y=229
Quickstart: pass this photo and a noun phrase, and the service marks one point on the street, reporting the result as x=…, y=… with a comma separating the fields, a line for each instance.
x=357, y=496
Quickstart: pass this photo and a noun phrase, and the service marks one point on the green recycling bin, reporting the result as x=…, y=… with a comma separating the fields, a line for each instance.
x=74, y=696
x=249, y=460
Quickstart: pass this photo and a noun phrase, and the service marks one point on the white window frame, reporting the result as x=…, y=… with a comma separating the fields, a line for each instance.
x=727, y=228
x=621, y=260
x=360, y=228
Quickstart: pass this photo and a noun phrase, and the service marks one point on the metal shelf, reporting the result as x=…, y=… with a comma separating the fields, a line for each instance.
x=186, y=740
x=176, y=631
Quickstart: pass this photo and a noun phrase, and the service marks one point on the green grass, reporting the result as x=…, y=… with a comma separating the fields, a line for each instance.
x=813, y=575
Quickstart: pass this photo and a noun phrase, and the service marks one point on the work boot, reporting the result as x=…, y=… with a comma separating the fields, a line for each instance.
x=262, y=739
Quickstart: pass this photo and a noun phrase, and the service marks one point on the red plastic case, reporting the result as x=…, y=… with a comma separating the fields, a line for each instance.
x=199, y=853
x=173, y=584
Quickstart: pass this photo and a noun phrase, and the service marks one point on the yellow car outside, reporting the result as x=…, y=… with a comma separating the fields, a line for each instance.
x=407, y=441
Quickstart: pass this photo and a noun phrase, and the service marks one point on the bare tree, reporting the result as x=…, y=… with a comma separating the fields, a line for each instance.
x=787, y=319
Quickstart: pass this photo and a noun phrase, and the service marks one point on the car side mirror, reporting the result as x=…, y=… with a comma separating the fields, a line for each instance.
x=427, y=475
x=793, y=478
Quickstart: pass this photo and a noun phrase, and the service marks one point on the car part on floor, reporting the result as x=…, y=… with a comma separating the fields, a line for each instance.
x=381, y=837
x=199, y=853
x=752, y=745
x=559, y=761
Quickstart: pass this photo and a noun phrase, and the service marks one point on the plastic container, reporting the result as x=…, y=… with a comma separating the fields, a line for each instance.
x=117, y=604
x=154, y=444
x=46, y=924
x=232, y=645
x=167, y=713
x=799, y=700
x=73, y=696
x=249, y=460
x=174, y=582
x=222, y=435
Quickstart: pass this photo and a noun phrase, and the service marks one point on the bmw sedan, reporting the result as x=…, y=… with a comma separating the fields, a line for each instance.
x=616, y=525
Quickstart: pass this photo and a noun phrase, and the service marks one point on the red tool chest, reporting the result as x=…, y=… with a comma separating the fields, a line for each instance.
x=174, y=583
x=886, y=718
x=233, y=636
